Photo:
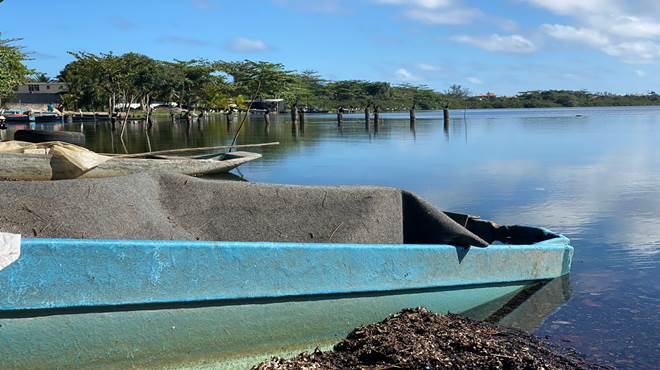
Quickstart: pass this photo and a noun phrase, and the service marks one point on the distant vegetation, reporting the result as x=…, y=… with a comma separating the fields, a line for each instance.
x=12, y=70
x=104, y=81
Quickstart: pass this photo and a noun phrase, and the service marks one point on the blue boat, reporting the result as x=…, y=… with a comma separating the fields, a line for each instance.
x=160, y=303
x=15, y=116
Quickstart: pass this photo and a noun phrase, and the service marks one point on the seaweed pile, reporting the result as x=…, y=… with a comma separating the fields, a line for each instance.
x=420, y=339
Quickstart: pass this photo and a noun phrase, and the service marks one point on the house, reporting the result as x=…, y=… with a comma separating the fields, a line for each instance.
x=273, y=105
x=37, y=96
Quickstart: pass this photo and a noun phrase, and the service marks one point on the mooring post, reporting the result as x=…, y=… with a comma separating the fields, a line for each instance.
x=376, y=114
x=301, y=115
x=412, y=115
x=340, y=116
x=366, y=115
x=294, y=109
x=445, y=113
x=267, y=116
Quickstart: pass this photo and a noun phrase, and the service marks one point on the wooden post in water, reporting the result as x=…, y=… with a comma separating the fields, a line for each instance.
x=340, y=116
x=301, y=114
x=294, y=124
x=294, y=110
x=413, y=116
x=445, y=113
x=366, y=116
x=376, y=115
x=267, y=116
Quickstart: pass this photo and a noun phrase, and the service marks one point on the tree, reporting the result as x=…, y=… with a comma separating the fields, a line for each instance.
x=458, y=91
x=259, y=79
x=39, y=77
x=12, y=70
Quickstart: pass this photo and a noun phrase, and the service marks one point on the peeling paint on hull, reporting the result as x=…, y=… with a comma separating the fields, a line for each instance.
x=149, y=304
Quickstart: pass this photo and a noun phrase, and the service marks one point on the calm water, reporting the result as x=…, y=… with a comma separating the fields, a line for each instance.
x=591, y=174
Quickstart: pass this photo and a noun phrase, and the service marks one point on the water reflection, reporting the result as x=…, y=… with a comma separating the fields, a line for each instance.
x=591, y=174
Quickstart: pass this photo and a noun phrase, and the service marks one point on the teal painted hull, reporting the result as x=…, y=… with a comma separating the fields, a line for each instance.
x=117, y=304
x=229, y=336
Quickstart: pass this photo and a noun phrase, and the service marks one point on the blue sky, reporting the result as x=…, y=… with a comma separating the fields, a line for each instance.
x=503, y=46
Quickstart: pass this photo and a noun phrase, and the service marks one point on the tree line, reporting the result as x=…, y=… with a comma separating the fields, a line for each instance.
x=105, y=81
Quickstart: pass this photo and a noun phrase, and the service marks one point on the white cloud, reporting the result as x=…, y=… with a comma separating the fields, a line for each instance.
x=427, y=4
x=626, y=30
x=447, y=12
x=437, y=12
x=405, y=75
x=571, y=7
x=245, y=45
x=640, y=73
x=497, y=43
x=474, y=80
x=430, y=67
x=632, y=26
x=448, y=16
x=636, y=52
x=581, y=35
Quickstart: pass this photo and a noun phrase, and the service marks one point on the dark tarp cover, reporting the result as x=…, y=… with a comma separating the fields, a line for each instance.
x=169, y=206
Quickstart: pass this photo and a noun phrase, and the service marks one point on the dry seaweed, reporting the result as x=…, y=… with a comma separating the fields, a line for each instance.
x=421, y=339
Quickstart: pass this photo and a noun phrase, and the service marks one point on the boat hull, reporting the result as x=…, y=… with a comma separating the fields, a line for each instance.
x=115, y=304
x=231, y=336
x=41, y=167
x=70, y=273
x=18, y=119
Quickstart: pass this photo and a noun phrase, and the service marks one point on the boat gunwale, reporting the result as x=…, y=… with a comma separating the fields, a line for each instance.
x=558, y=242
x=555, y=246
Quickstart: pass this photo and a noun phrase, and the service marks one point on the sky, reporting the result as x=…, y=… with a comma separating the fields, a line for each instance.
x=501, y=46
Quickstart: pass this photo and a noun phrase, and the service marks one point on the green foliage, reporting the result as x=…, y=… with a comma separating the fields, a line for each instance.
x=102, y=80
x=12, y=70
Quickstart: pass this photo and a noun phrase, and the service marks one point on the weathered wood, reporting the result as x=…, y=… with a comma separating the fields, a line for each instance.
x=44, y=167
x=192, y=150
x=445, y=113
x=301, y=114
x=267, y=117
x=294, y=111
x=340, y=116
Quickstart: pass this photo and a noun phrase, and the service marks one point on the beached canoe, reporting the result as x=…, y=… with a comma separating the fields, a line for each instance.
x=296, y=267
x=23, y=166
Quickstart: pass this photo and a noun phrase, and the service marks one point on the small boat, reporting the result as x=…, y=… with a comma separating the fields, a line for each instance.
x=42, y=117
x=46, y=164
x=14, y=116
x=277, y=269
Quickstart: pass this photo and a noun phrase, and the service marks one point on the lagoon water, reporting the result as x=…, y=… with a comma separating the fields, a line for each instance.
x=592, y=174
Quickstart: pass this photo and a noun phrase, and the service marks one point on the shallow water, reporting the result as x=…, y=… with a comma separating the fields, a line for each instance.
x=591, y=174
